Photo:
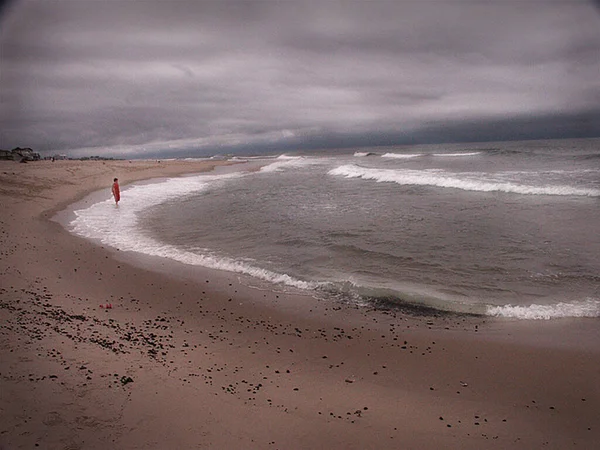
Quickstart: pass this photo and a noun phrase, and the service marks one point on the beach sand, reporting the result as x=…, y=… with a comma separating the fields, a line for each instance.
x=189, y=359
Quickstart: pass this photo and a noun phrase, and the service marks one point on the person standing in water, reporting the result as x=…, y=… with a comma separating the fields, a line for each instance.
x=116, y=192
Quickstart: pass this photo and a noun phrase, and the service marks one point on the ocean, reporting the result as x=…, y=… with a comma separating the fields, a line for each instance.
x=507, y=229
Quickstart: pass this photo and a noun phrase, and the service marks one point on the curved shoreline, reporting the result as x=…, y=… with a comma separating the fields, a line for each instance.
x=187, y=359
x=90, y=218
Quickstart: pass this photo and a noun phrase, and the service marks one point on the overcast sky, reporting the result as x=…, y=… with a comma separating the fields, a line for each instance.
x=133, y=78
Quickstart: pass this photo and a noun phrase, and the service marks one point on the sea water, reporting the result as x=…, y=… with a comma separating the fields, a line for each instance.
x=504, y=229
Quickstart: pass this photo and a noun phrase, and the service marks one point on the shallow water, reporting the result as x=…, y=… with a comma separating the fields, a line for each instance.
x=506, y=229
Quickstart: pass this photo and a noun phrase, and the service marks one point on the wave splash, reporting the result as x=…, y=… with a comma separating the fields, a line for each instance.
x=457, y=155
x=118, y=228
x=417, y=155
x=585, y=308
x=467, y=182
x=284, y=162
x=401, y=155
x=423, y=303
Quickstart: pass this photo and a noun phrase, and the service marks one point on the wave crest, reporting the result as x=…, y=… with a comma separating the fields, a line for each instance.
x=401, y=155
x=118, y=228
x=455, y=181
x=284, y=162
x=585, y=308
x=457, y=154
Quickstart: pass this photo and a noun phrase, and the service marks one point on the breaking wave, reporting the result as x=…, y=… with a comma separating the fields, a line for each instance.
x=118, y=228
x=457, y=154
x=401, y=155
x=416, y=155
x=467, y=182
x=284, y=162
x=423, y=303
x=586, y=308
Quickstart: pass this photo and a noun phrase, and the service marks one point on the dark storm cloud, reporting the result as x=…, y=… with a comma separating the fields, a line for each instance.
x=128, y=77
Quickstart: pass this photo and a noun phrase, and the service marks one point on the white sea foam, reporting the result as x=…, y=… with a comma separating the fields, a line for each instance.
x=467, y=182
x=284, y=162
x=401, y=155
x=363, y=154
x=586, y=308
x=118, y=227
x=457, y=154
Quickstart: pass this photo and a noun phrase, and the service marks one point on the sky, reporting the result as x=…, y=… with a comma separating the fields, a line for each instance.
x=131, y=79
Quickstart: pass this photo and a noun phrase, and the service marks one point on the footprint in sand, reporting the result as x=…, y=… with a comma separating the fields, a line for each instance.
x=72, y=446
x=87, y=421
x=52, y=419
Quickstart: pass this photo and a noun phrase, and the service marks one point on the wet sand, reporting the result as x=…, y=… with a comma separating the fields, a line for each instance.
x=195, y=359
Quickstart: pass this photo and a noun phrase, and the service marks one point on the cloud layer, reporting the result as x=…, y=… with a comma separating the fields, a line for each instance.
x=133, y=78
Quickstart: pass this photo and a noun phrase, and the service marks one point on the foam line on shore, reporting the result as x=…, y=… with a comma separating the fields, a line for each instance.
x=119, y=228
x=586, y=308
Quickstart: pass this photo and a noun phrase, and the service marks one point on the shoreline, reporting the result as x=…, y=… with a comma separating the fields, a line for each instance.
x=216, y=364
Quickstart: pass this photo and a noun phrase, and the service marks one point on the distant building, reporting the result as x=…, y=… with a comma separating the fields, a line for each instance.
x=25, y=154
x=6, y=154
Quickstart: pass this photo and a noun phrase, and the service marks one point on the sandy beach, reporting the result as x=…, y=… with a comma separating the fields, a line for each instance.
x=190, y=359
